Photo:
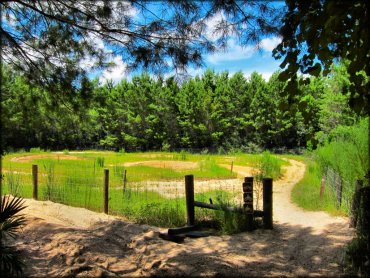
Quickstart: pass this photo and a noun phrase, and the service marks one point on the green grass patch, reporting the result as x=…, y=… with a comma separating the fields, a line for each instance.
x=79, y=182
x=306, y=193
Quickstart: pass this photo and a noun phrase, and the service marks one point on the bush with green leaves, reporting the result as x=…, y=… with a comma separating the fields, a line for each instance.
x=358, y=250
x=10, y=222
x=346, y=151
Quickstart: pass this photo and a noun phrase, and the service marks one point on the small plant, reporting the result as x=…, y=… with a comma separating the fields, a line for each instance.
x=358, y=250
x=166, y=147
x=50, y=180
x=13, y=181
x=183, y=155
x=100, y=161
x=268, y=166
x=65, y=151
x=204, y=151
x=35, y=150
x=252, y=148
x=160, y=214
x=118, y=171
x=10, y=222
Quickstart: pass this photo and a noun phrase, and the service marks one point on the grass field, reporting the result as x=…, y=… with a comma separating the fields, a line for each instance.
x=306, y=193
x=76, y=178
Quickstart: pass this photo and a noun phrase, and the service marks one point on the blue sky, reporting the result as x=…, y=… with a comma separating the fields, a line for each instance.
x=247, y=59
x=236, y=58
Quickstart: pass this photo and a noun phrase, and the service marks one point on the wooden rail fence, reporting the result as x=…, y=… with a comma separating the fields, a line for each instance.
x=247, y=208
x=105, y=186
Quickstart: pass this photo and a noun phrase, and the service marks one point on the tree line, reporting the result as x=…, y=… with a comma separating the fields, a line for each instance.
x=217, y=112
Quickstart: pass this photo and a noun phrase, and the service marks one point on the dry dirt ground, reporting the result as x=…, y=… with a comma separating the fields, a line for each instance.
x=57, y=156
x=65, y=241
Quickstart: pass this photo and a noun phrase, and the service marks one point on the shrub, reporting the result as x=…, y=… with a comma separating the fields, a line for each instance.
x=100, y=161
x=35, y=150
x=10, y=222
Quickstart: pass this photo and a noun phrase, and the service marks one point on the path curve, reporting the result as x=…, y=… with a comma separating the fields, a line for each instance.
x=301, y=243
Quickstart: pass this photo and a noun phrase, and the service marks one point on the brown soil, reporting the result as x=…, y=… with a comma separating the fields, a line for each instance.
x=171, y=164
x=241, y=171
x=56, y=156
x=64, y=241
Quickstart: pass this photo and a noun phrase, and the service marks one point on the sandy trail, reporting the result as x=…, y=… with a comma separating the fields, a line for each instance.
x=65, y=241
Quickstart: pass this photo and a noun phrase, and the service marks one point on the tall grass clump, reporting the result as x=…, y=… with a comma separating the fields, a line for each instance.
x=100, y=161
x=183, y=155
x=49, y=167
x=267, y=166
x=35, y=150
x=148, y=207
x=346, y=153
x=306, y=193
x=13, y=182
x=164, y=214
x=222, y=220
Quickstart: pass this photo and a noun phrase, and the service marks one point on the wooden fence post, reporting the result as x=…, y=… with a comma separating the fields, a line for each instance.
x=35, y=181
x=106, y=187
x=355, y=204
x=267, y=203
x=248, y=201
x=124, y=181
x=189, y=193
x=232, y=166
x=322, y=188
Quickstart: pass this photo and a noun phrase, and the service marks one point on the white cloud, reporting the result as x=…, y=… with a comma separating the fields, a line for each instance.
x=211, y=32
x=88, y=62
x=95, y=40
x=269, y=44
x=211, y=23
x=234, y=52
x=115, y=73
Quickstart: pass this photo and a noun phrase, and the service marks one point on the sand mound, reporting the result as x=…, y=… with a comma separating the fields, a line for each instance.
x=31, y=157
x=61, y=241
x=171, y=164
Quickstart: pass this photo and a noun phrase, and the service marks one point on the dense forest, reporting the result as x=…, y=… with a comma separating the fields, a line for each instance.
x=216, y=112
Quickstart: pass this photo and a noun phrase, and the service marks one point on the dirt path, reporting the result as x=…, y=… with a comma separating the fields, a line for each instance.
x=65, y=241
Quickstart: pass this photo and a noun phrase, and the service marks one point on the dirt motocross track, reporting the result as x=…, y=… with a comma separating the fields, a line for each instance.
x=65, y=241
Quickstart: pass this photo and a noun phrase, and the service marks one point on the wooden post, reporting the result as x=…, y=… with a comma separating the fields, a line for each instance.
x=106, y=187
x=248, y=201
x=35, y=181
x=232, y=166
x=355, y=204
x=322, y=188
x=189, y=193
x=267, y=203
x=124, y=181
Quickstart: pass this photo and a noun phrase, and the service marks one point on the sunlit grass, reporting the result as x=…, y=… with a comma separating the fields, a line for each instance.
x=79, y=183
x=306, y=193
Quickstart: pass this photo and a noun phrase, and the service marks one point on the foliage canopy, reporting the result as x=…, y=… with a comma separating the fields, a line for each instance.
x=316, y=34
x=57, y=41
